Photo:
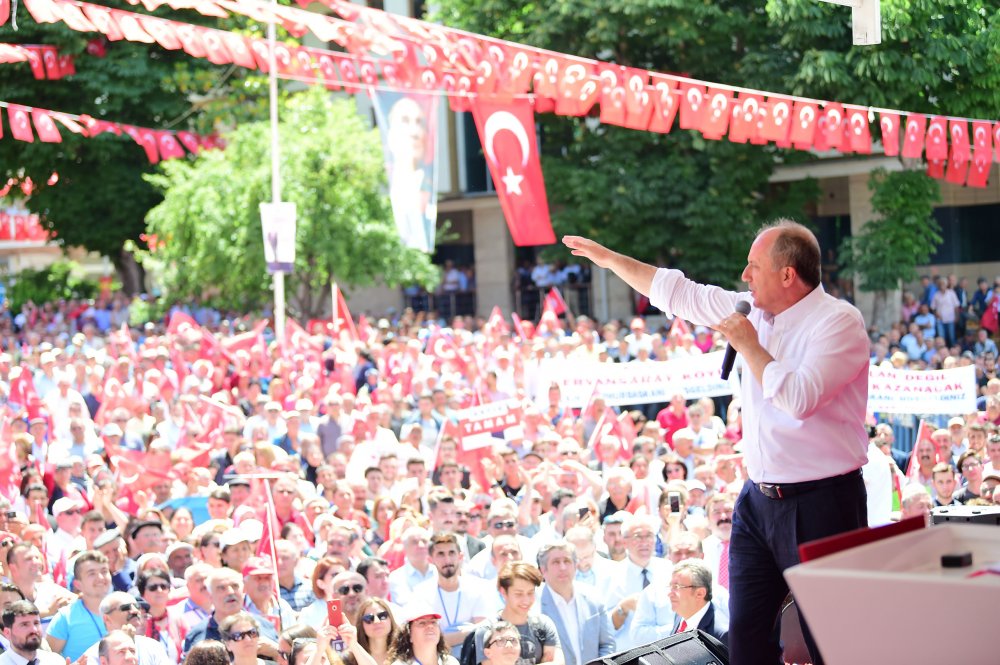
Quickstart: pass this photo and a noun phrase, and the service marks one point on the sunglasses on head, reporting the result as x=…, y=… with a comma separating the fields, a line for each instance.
x=370, y=618
x=356, y=588
x=239, y=636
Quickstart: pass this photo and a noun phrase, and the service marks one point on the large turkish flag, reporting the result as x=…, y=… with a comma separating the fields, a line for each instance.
x=507, y=133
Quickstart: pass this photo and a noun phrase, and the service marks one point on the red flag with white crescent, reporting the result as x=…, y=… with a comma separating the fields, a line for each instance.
x=958, y=158
x=572, y=100
x=343, y=322
x=612, y=83
x=717, y=115
x=554, y=301
x=803, y=131
x=913, y=139
x=519, y=328
x=4, y=11
x=979, y=172
x=162, y=31
x=889, y=124
x=935, y=168
x=20, y=126
x=665, y=103
x=982, y=154
x=937, y=138
x=743, y=124
x=834, y=129
x=857, y=131
x=694, y=106
x=507, y=132
x=777, y=124
x=168, y=145
x=996, y=140
x=443, y=349
x=47, y=130
x=496, y=323
x=638, y=101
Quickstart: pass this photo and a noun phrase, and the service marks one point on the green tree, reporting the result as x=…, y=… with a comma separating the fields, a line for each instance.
x=331, y=168
x=100, y=200
x=902, y=236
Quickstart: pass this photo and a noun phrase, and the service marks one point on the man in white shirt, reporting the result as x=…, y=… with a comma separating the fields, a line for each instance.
x=459, y=599
x=416, y=566
x=121, y=611
x=27, y=572
x=583, y=624
x=69, y=517
x=719, y=509
x=804, y=396
x=638, y=570
x=22, y=629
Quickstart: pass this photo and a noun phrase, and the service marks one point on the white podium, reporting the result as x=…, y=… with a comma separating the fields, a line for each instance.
x=891, y=601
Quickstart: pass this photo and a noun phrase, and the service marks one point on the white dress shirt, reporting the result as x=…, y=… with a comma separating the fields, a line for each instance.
x=10, y=657
x=405, y=578
x=807, y=419
x=569, y=612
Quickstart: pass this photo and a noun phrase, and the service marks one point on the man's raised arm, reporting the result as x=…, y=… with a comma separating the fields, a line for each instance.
x=635, y=273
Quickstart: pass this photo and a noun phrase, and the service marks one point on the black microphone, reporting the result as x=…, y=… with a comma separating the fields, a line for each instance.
x=742, y=307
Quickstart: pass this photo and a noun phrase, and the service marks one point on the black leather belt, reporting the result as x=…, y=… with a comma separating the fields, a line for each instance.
x=788, y=490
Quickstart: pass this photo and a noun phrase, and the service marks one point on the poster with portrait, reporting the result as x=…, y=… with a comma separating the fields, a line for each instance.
x=408, y=126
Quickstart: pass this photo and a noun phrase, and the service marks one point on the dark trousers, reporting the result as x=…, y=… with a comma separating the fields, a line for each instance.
x=765, y=540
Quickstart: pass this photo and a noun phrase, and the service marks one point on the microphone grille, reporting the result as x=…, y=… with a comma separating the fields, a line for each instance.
x=743, y=307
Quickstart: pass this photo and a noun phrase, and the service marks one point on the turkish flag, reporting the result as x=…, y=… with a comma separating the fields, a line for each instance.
x=74, y=18
x=162, y=31
x=716, y=119
x=215, y=49
x=694, y=106
x=638, y=104
x=47, y=130
x=554, y=301
x=4, y=11
x=665, y=103
x=328, y=71
x=20, y=127
x=937, y=138
x=458, y=87
x=957, y=168
x=50, y=58
x=487, y=71
x=979, y=172
x=69, y=123
x=168, y=145
x=545, y=81
x=67, y=65
x=507, y=133
x=368, y=71
x=803, y=132
x=34, y=55
x=996, y=140
x=129, y=23
x=777, y=123
x=95, y=127
x=573, y=98
x=612, y=79
x=959, y=130
x=496, y=323
x=42, y=11
x=982, y=141
x=343, y=321
x=148, y=143
x=935, y=168
x=103, y=20
x=348, y=72
x=913, y=139
x=834, y=130
x=443, y=350
x=520, y=67
x=238, y=47
x=189, y=141
x=889, y=124
x=743, y=124
x=191, y=40
x=859, y=136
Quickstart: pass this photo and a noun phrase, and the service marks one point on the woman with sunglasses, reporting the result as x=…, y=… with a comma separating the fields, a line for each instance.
x=240, y=633
x=378, y=629
x=154, y=588
x=320, y=652
x=420, y=642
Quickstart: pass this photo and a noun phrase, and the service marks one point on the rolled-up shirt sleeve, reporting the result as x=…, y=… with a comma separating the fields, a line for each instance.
x=802, y=384
x=702, y=304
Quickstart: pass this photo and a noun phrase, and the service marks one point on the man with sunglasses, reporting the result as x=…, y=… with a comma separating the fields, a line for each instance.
x=69, y=517
x=226, y=589
x=351, y=590
x=121, y=611
x=502, y=520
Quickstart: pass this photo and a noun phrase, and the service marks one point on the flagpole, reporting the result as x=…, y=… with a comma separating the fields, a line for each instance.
x=333, y=297
x=272, y=517
x=278, y=276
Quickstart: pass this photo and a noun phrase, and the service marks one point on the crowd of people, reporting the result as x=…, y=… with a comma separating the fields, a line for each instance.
x=186, y=493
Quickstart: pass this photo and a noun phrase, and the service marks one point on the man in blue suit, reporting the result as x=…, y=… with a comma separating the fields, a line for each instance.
x=583, y=624
x=691, y=599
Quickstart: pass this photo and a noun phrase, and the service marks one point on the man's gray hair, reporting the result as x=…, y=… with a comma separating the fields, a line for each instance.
x=114, y=600
x=701, y=576
x=560, y=545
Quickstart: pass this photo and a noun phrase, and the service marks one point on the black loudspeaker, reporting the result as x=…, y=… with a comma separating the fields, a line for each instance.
x=966, y=515
x=693, y=647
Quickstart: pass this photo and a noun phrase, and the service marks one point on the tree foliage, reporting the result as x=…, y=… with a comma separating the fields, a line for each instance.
x=57, y=281
x=101, y=199
x=331, y=168
x=903, y=234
